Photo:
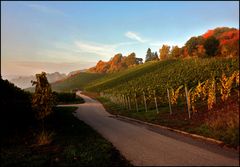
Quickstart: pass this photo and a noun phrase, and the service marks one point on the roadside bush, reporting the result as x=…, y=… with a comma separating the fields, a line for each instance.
x=225, y=121
x=66, y=98
x=16, y=111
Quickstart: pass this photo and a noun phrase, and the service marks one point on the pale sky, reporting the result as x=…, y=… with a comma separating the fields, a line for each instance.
x=66, y=36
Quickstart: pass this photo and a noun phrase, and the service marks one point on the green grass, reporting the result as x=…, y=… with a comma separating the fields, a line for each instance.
x=74, y=144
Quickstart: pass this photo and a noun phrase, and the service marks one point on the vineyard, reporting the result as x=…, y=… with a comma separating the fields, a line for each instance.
x=187, y=90
x=162, y=74
x=195, y=81
x=208, y=93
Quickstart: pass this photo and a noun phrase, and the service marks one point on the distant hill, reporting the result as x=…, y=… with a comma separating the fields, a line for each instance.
x=75, y=72
x=25, y=82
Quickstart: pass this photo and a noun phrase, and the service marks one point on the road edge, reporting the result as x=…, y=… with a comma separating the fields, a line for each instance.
x=199, y=137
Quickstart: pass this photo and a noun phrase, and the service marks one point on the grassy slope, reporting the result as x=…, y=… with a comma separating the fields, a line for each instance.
x=78, y=81
x=115, y=79
x=159, y=74
x=74, y=144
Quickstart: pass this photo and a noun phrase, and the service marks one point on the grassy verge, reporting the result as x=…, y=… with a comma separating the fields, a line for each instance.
x=214, y=124
x=73, y=144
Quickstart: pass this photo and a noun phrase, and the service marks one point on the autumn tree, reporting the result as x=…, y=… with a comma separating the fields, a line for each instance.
x=42, y=104
x=230, y=49
x=211, y=46
x=164, y=52
x=116, y=63
x=175, y=52
x=131, y=59
x=184, y=52
x=42, y=101
x=229, y=43
x=101, y=67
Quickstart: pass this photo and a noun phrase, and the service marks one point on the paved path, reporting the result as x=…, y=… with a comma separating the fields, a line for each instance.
x=147, y=146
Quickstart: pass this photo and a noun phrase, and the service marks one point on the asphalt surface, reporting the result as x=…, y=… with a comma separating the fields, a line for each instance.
x=148, y=146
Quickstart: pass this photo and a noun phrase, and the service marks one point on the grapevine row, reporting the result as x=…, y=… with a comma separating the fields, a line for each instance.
x=133, y=97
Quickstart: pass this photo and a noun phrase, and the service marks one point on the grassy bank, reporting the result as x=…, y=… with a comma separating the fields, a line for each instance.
x=73, y=144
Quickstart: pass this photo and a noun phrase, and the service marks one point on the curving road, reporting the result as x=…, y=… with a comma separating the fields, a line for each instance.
x=145, y=146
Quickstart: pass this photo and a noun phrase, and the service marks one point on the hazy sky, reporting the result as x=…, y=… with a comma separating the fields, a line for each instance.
x=66, y=36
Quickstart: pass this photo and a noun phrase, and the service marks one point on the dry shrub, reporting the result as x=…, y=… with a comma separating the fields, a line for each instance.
x=226, y=84
x=44, y=138
x=175, y=94
x=224, y=121
x=211, y=95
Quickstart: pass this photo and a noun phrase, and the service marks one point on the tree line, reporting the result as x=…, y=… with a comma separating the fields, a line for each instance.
x=221, y=41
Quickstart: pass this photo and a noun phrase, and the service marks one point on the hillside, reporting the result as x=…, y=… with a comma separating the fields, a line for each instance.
x=151, y=74
x=162, y=73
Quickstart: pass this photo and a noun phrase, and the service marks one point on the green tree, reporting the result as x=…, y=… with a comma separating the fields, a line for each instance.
x=148, y=55
x=211, y=46
x=192, y=45
x=164, y=52
x=151, y=55
x=155, y=57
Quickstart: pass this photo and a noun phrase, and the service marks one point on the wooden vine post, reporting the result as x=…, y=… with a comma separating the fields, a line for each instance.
x=136, y=101
x=169, y=102
x=124, y=102
x=188, y=102
x=155, y=101
x=145, y=103
x=129, y=103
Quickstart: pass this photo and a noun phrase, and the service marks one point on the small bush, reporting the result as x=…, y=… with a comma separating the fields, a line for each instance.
x=16, y=111
x=63, y=98
x=225, y=122
x=44, y=138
